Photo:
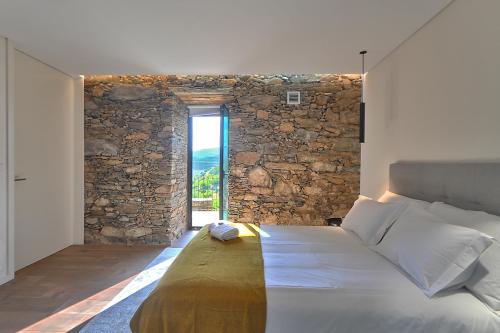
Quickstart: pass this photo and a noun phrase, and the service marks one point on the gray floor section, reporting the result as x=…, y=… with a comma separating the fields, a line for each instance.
x=117, y=316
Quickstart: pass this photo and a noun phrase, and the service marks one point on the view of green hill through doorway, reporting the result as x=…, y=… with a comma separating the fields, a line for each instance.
x=208, y=134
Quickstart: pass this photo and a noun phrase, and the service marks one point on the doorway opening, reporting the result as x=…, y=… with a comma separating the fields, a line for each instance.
x=207, y=165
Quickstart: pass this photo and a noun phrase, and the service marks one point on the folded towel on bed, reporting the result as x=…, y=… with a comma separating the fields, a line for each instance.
x=213, y=225
x=223, y=231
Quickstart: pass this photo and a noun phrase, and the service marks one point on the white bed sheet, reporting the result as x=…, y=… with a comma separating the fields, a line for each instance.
x=323, y=279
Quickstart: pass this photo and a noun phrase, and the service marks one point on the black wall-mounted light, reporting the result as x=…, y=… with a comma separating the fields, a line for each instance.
x=362, y=104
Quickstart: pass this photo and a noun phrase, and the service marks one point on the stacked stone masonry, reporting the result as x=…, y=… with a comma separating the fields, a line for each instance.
x=289, y=164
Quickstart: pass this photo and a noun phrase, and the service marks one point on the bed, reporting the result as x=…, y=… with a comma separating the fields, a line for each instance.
x=324, y=279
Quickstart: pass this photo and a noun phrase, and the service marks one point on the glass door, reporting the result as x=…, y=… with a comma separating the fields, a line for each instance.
x=224, y=163
x=204, y=168
x=208, y=165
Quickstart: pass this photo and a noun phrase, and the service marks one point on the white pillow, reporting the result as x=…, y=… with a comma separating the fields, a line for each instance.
x=389, y=196
x=484, y=222
x=435, y=254
x=370, y=219
x=485, y=281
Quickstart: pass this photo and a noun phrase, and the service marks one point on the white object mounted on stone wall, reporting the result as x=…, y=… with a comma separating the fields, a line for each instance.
x=293, y=97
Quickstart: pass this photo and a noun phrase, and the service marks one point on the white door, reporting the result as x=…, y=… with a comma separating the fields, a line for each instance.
x=6, y=230
x=3, y=162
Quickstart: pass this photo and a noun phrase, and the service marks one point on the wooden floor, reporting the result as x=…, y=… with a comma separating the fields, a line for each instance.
x=64, y=290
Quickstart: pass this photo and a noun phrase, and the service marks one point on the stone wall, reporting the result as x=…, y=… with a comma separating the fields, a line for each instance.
x=177, y=188
x=294, y=164
x=288, y=164
x=135, y=161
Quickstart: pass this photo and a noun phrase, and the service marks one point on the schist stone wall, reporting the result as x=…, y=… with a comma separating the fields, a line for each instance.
x=294, y=164
x=135, y=161
x=289, y=164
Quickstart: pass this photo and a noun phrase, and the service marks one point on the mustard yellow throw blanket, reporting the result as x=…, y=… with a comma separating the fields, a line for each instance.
x=212, y=287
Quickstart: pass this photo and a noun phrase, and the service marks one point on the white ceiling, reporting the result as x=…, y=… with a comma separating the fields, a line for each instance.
x=211, y=36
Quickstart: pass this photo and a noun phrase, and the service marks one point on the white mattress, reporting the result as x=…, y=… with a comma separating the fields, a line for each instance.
x=323, y=279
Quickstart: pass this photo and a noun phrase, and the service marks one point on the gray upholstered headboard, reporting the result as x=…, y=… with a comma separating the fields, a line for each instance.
x=474, y=186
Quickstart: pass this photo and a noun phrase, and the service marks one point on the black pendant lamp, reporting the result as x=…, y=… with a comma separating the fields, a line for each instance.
x=362, y=104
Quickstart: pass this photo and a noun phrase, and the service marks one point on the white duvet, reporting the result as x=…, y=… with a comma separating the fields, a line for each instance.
x=323, y=279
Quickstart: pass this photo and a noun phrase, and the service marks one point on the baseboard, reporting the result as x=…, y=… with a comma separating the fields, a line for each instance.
x=5, y=279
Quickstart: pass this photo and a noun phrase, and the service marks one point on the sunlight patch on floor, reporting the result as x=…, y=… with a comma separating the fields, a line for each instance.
x=78, y=313
x=202, y=218
x=142, y=280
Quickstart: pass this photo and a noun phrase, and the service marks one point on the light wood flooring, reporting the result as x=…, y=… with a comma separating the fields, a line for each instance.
x=63, y=291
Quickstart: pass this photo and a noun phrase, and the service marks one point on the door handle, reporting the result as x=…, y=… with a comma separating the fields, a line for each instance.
x=17, y=179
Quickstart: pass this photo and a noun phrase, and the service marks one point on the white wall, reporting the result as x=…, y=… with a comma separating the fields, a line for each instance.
x=78, y=198
x=6, y=161
x=437, y=96
x=47, y=147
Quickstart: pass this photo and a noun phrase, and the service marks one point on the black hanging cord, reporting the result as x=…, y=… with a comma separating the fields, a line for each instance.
x=362, y=104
